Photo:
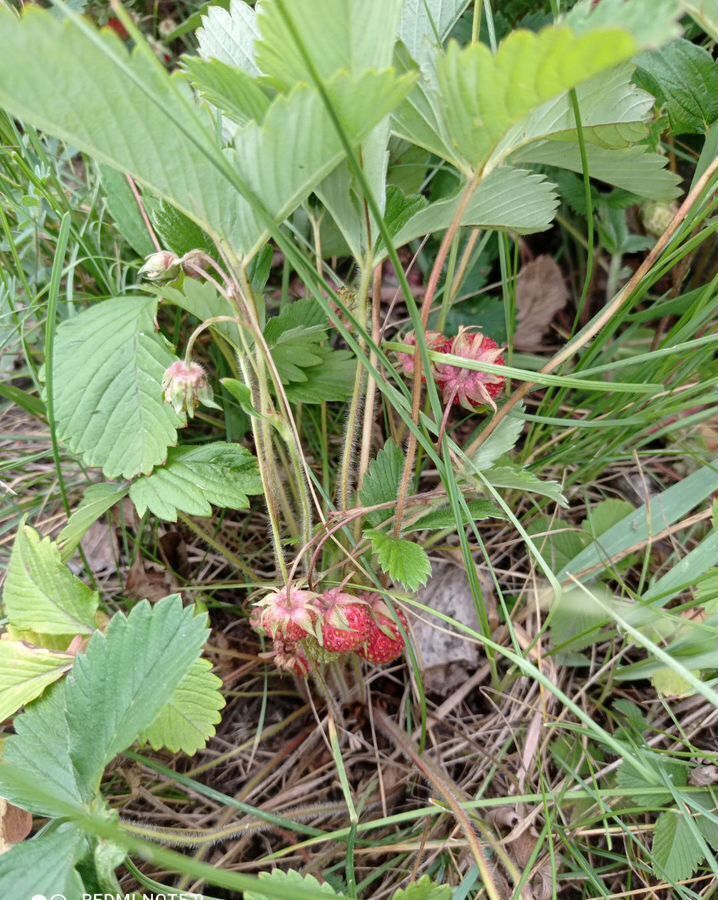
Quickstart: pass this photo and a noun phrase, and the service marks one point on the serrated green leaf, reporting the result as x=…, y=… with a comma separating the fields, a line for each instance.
x=178, y=232
x=684, y=78
x=25, y=672
x=634, y=169
x=232, y=91
x=187, y=722
x=277, y=876
x=400, y=209
x=424, y=889
x=119, y=686
x=628, y=779
x=331, y=380
x=507, y=199
x=444, y=518
x=668, y=683
x=125, y=212
x=404, y=561
x=424, y=25
x=512, y=477
x=306, y=313
x=98, y=499
x=495, y=91
x=676, y=853
x=88, y=83
x=606, y=514
x=297, y=349
x=503, y=439
x=38, y=754
x=108, y=368
x=652, y=22
x=381, y=482
x=229, y=36
x=195, y=478
x=41, y=594
x=614, y=114
x=44, y=866
x=347, y=35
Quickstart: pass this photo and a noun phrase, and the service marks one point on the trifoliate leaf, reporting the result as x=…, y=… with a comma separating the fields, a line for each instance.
x=381, y=482
x=606, y=514
x=44, y=866
x=195, y=478
x=41, y=594
x=676, y=853
x=289, y=879
x=404, y=561
x=119, y=686
x=108, y=368
x=424, y=889
x=25, y=672
x=310, y=369
x=97, y=500
x=187, y=722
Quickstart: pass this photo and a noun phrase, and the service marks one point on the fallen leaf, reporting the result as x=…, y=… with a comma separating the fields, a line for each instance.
x=146, y=581
x=447, y=657
x=15, y=825
x=540, y=293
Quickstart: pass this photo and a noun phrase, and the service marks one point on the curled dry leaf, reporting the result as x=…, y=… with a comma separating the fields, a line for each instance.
x=540, y=293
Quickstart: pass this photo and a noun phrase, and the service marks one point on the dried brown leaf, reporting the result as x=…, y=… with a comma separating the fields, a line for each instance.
x=540, y=293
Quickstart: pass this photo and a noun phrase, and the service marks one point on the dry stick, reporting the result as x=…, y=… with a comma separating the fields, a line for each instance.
x=143, y=213
x=368, y=424
x=431, y=288
x=451, y=794
x=606, y=314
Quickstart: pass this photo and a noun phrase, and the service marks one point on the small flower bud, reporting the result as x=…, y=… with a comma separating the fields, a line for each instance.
x=194, y=262
x=185, y=385
x=161, y=266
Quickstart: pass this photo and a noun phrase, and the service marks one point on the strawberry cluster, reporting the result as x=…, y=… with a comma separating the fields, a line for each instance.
x=307, y=628
x=462, y=387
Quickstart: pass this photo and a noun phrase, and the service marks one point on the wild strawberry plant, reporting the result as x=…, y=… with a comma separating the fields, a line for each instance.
x=289, y=131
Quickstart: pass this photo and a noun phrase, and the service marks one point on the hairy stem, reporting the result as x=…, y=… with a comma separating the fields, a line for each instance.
x=345, y=472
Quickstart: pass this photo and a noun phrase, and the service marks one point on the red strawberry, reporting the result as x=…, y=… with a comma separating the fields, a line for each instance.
x=385, y=642
x=345, y=621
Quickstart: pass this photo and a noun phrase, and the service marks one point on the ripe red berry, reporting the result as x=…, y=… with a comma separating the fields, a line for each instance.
x=345, y=621
x=385, y=642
